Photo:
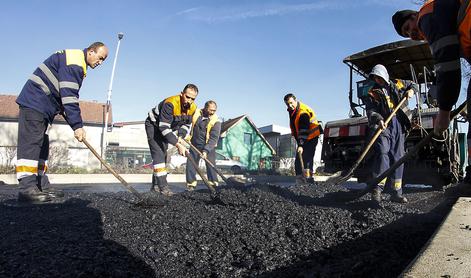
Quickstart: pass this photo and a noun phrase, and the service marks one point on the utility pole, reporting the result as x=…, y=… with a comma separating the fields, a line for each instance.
x=108, y=100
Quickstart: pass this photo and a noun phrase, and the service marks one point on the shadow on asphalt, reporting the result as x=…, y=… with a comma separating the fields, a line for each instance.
x=383, y=252
x=58, y=240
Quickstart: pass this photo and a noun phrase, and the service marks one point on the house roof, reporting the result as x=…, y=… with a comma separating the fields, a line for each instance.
x=227, y=125
x=92, y=111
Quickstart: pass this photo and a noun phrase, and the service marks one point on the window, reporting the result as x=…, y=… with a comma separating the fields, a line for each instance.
x=248, y=138
x=219, y=145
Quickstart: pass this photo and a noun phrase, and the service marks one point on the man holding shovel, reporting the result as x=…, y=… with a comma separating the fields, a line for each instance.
x=445, y=25
x=306, y=130
x=389, y=147
x=206, y=128
x=173, y=114
x=52, y=89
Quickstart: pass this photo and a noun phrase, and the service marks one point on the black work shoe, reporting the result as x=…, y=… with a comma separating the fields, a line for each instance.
x=396, y=198
x=33, y=197
x=376, y=195
x=164, y=190
x=53, y=193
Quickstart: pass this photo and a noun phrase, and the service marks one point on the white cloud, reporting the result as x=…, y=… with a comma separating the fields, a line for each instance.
x=220, y=14
x=234, y=13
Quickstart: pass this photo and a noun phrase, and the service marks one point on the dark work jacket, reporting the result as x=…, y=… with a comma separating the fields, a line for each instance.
x=378, y=107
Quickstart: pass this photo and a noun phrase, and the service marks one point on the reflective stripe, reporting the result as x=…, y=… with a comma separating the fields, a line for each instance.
x=444, y=42
x=191, y=184
x=159, y=165
x=50, y=76
x=68, y=84
x=26, y=169
x=448, y=66
x=27, y=162
x=166, y=131
x=160, y=174
x=164, y=124
x=153, y=114
x=68, y=100
x=397, y=184
x=382, y=182
x=36, y=79
x=152, y=117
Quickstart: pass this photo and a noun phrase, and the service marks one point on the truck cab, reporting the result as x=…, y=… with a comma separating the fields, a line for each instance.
x=440, y=162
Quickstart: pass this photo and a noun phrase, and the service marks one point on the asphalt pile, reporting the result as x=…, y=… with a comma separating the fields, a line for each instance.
x=261, y=230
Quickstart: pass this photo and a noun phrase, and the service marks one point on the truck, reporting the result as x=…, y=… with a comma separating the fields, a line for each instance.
x=440, y=162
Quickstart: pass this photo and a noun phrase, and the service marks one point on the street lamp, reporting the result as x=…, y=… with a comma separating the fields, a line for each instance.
x=108, y=100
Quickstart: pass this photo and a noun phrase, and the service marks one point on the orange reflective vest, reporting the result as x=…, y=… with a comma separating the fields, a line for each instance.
x=463, y=23
x=307, y=134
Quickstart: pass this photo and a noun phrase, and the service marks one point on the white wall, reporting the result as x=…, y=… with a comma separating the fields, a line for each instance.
x=131, y=136
x=61, y=137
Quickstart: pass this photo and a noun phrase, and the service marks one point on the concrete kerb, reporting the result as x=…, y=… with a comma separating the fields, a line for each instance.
x=448, y=252
x=98, y=178
x=141, y=178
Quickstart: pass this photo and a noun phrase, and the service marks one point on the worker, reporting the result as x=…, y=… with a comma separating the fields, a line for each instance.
x=205, y=131
x=52, y=89
x=173, y=114
x=445, y=25
x=306, y=130
x=381, y=100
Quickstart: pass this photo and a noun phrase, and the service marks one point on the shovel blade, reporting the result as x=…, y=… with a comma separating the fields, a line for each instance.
x=234, y=181
x=338, y=178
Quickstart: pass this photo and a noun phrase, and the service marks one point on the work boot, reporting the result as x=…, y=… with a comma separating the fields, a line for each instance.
x=213, y=183
x=190, y=186
x=398, y=198
x=33, y=196
x=165, y=190
x=376, y=195
x=300, y=180
x=53, y=192
x=45, y=186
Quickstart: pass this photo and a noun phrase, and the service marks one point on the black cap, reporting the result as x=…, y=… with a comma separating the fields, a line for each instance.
x=399, y=18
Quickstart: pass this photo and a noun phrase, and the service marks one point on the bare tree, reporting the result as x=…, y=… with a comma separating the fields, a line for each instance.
x=10, y=154
x=58, y=153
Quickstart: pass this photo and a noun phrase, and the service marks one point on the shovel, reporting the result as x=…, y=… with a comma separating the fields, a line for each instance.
x=198, y=170
x=371, y=183
x=108, y=167
x=340, y=176
x=301, y=161
x=228, y=181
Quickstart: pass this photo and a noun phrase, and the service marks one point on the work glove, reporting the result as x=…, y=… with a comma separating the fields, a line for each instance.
x=300, y=150
x=204, y=155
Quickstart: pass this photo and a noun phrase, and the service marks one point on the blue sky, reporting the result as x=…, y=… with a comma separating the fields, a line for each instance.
x=246, y=55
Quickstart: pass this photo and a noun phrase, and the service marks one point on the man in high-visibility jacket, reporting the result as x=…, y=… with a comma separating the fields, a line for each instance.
x=446, y=26
x=306, y=130
x=381, y=100
x=206, y=128
x=52, y=89
x=173, y=114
